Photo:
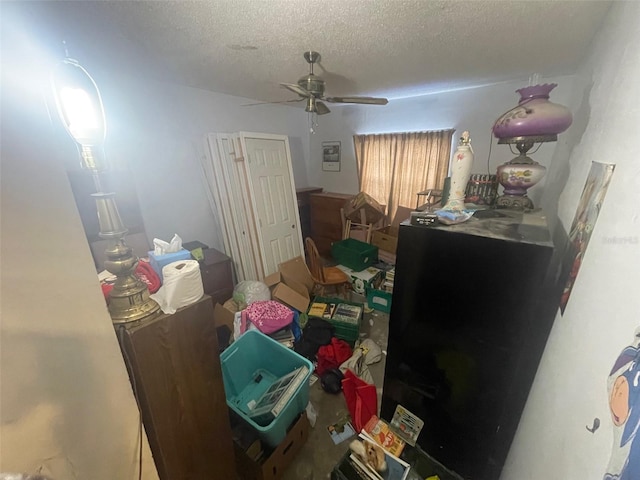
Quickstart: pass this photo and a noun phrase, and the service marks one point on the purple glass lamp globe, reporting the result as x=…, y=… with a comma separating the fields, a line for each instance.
x=534, y=116
x=534, y=120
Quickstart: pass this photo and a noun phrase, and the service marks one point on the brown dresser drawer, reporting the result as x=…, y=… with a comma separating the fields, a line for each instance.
x=217, y=275
x=326, y=220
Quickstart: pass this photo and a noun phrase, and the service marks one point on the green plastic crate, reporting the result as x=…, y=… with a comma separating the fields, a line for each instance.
x=379, y=300
x=354, y=254
x=348, y=332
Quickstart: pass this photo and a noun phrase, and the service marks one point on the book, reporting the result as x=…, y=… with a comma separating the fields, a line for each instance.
x=406, y=425
x=272, y=402
x=341, y=431
x=322, y=310
x=328, y=312
x=376, y=462
x=380, y=431
x=282, y=334
x=363, y=470
x=347, y=313
x=317, y=309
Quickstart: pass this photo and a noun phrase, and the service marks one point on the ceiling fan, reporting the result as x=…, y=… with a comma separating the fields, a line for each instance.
x=311, y=88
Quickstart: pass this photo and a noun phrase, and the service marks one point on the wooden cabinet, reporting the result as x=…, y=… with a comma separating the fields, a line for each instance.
x=326, y=220
x=304, y=208
x=217, y=275
x=175, y=371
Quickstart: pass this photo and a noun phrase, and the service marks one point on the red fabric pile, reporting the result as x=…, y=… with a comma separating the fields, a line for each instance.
x=332, y=355
x=361, y=398
x=144, y=272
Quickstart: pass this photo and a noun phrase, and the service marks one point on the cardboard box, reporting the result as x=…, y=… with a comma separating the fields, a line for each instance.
x=223, y=316
x=296, y=271
x=274, y=466
x=386, y=239
x=292, y=284
x=287, y=295
x=387, y=257
x=362, y=280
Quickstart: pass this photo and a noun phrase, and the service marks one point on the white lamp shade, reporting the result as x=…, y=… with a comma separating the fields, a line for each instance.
x=79, y=103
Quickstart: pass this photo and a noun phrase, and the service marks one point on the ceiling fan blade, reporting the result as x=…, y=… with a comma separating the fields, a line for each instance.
x=295, y=88
x=364, y=100
x=272, y=103
x=321, y=108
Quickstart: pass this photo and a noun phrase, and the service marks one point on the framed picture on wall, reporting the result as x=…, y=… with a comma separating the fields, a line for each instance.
x=331, y=156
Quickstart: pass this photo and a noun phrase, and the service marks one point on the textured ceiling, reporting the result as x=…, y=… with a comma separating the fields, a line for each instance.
x=393, y=48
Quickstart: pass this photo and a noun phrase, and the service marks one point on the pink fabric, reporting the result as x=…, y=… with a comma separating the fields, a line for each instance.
x=269, y=316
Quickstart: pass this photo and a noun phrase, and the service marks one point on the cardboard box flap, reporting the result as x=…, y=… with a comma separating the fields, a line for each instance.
x=273, y=279
x=295, y=271
x=287, y=295
x=402, y=214
x=223, y=316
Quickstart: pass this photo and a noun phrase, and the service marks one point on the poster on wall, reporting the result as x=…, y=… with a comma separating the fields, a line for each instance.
x=584, y=221
x=331, y=156
x=624, y=406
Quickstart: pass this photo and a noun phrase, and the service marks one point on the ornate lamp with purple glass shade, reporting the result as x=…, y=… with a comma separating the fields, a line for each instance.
x=533, y=121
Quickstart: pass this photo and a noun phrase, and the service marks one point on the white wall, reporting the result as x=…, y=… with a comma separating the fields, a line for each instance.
x=570, y=389
x=474, y=109
x=159, y=130
x=67, y=405
x=68, y=410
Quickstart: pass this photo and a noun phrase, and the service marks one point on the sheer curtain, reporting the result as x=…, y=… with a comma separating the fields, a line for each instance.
x=394, y=167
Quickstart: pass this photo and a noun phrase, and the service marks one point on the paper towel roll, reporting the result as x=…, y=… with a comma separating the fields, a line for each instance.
x=182, y=285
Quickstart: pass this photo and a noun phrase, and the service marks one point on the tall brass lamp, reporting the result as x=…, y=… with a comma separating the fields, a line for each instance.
x=80, y=108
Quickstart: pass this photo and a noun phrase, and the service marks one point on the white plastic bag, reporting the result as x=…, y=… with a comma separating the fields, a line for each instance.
x=160, y=247
x=249, y=291
x=312, y=415
x=182, y=286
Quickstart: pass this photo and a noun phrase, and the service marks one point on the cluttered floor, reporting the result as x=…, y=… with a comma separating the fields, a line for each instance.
x=320, y=454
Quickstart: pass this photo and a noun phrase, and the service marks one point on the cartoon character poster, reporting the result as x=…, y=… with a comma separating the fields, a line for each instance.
x=584, y=221
x=624, y=405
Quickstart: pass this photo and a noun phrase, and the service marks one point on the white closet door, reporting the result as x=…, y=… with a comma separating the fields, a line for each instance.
x=273, y=195
x=229, y=193
x=242, y=207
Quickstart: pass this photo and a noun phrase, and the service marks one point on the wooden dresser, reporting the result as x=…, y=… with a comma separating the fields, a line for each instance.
x=217, y=275
x=174, y=367
x=304, y=208
x=326, y=220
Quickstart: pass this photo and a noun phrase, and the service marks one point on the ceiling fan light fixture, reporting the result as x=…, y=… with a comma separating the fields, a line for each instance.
x=311, y=105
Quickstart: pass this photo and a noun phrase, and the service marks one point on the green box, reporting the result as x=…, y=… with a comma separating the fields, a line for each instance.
x=354, y=254
x=348, y=332
x=379, y=300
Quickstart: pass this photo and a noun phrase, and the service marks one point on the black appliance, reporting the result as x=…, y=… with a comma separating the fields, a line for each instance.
x=472, y=309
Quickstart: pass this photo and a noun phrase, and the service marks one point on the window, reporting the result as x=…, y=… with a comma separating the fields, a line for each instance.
x=394, y=167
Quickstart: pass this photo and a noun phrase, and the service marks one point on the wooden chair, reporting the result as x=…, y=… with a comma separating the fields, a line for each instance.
x=362, y=230
x=325, y=276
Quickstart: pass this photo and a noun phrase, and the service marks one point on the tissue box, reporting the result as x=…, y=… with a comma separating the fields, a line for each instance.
x=159, y=261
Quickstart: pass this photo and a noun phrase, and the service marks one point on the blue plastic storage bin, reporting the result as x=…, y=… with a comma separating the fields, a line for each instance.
x=249, y=366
